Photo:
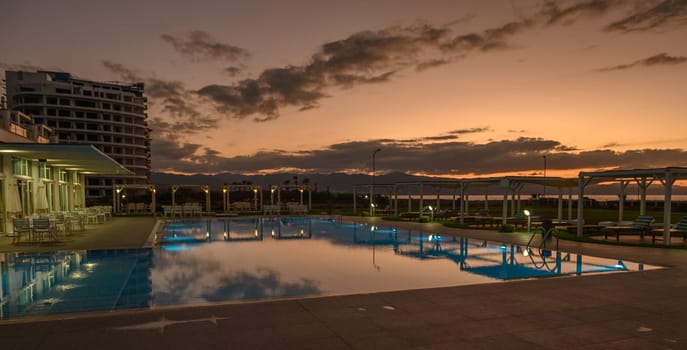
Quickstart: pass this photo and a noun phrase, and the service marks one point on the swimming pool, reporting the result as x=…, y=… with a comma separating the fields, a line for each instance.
x=220, y=260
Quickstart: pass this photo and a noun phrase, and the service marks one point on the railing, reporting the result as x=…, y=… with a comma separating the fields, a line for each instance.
x=18, y=130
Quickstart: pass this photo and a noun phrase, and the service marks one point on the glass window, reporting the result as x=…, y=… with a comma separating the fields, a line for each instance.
x=44, y=171
x=63, y=175
x=21, y=167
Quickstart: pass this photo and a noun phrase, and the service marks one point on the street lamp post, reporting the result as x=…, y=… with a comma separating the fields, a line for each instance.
x=372, y=189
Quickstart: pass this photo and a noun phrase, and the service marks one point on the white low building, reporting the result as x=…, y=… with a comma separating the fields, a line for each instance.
x=42, y=178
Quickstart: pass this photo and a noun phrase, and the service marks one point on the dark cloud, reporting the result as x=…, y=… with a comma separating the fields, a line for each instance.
x=362, y=58
x=440, y=138
x=653, y=15
x=200, y=46
x=656, y=60
x=423, y=155
x=123, y=72
x=172, y=96
x=233, y=71
x=469, y=131
x=611, y=145
x=182, y=126
x=203, y=275
x=431, y=64
x=638, y=15
x=489, y=39
x=567, y=15
x=180, y=119
x=380, y=56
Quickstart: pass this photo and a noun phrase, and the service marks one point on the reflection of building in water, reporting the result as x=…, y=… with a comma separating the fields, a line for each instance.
x=490, y=259
x=242, y=230
x=288, y=228
x=28, y=278
x=50, y=283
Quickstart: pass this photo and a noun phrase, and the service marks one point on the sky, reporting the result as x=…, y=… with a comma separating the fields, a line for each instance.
x=443, y=88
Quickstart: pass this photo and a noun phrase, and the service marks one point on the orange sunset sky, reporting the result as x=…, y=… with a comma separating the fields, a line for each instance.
x=450, y=88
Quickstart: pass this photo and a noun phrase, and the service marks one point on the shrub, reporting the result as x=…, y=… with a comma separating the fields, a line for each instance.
x=507, y=228
x=424, y=218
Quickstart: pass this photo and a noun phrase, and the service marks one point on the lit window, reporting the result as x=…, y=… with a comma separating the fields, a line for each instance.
x=44, y=171
x=22, y=167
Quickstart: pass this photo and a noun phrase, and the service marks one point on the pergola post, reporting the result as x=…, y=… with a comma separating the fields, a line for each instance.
x=224, y=198
x=580, y=206
x=621, y=199
x=570, y=203
x=462, y=203
x=643, y=185
x=355, y=199
x=174, y=205
x=560, y=203
x=667, y=206
x=504, y=212
x=467, y=203
x=520, y=186
x=255, y=199
x=512, y=201
x=153, y=200
x=206, y=189
x=115, y=196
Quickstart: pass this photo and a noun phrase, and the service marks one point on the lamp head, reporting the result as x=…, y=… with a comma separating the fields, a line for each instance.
x=526, y=212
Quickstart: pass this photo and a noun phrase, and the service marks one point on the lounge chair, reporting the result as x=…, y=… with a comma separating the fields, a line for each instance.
x=679, y=230
x=77, y=222
x=641, y=225
x=42, y=228
x=140, y=208
x=91, y=216
x=21, y=227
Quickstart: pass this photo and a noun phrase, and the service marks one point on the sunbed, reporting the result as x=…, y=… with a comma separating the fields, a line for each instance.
x=641, y=225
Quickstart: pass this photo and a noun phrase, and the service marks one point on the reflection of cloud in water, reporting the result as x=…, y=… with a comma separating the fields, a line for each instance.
x=202, y=276
x=264, y=283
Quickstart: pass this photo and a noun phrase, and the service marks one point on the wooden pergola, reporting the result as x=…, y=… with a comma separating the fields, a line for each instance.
x=644, y=178
x=510, y=186
x=117, y=199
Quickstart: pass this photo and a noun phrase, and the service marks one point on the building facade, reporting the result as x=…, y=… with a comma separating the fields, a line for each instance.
x=16, y=126
x=110, y=116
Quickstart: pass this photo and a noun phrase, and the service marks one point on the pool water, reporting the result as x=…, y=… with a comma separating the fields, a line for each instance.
x=218, y=260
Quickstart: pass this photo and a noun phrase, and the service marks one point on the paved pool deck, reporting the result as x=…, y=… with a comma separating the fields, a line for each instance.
x=637, y=310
